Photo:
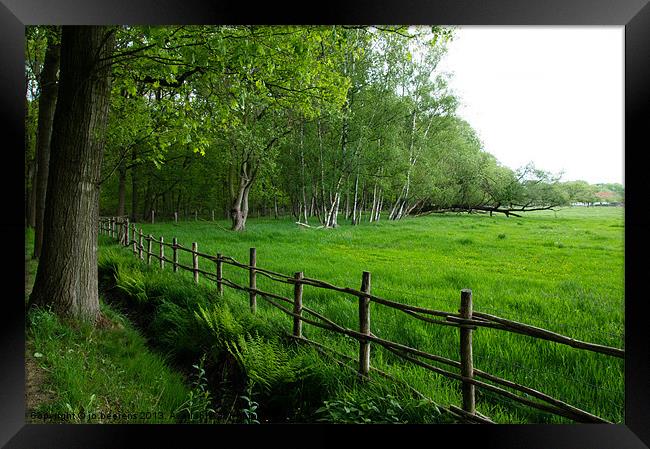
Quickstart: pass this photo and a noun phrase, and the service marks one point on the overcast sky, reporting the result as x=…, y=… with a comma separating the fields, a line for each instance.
x=550, y=95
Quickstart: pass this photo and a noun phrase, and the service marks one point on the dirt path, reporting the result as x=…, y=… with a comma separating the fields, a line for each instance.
x=36, y=391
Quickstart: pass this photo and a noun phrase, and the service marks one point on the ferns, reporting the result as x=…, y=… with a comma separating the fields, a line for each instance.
x=266, y=363
x=131, y=283
x=220, y=322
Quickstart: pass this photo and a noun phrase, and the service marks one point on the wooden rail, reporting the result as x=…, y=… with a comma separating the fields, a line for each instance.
x=467, y=321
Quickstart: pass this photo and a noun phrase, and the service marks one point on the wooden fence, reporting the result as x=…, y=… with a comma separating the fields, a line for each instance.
x=467, y=320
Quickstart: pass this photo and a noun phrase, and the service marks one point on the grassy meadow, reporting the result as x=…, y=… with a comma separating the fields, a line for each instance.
x=562, y=271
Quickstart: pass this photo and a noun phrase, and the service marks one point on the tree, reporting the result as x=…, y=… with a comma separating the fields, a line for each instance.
x=580, y=192
x=46, y=105
x=271, y=77
x=67, y=276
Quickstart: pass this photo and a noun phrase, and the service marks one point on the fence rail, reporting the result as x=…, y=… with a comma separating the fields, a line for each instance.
x=467, y=321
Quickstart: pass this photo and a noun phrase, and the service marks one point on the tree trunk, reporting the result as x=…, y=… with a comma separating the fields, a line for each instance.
x=146, y=203
x=374, y=204
x=239, y=213
x=30, y=217
x=46, y=105
x=302, y=170
x=134, y=186
x=121, y=202
x=356, y=198
x=239, y=199
x=31, y=196
x=275, y=206
x=347, y=204
x=323, y=206
x=67, y=274
x=379, y=204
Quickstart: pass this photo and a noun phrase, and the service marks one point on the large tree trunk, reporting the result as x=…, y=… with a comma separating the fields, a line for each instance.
x=67, y=274
x=31, y=195
x=46, y=105
x=239, y=210
x=30, y=198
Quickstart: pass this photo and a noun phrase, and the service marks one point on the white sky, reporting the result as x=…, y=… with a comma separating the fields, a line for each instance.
x=550, y=95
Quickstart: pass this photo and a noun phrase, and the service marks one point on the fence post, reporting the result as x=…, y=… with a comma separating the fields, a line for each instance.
x=175, y=217
x=149, y=240
x=297, y=304
x=112, y=227
x=141, y=246
x=153, y=213
x=162, y=253
x=364, y=326
x=466, y=360
x=134, y=240
x=195, y=262
x=212, y=214
x=175, y=255
x=219, y=274
x=126, y=232
x=252, y=280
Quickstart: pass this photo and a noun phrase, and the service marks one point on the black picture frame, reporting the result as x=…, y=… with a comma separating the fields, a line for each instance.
x=634, y=15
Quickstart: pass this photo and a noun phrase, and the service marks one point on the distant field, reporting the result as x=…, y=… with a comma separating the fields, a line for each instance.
x=563, y=271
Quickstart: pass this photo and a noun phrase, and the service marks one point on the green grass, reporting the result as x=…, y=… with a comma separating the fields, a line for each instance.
x=248, y=359
x=107, y=373
x=563, y=271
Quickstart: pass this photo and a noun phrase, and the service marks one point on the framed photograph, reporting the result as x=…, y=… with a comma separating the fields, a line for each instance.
x=339, y=171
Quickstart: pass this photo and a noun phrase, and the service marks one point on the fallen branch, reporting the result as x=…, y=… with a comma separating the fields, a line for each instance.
x=307, y=226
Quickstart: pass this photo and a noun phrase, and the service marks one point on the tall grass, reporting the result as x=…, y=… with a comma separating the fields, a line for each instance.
x=108, y=374
x=250, y=364
x=562, y=271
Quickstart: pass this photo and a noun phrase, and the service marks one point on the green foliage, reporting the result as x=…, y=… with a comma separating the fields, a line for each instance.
x=220, y=323
x=176, y=331
x=378, y=409
x=265, y=363
x=132, y=283
x=197, y=408
x=250, y=408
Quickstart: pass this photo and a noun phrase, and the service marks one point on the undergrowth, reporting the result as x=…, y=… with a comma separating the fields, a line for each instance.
x=245, y=368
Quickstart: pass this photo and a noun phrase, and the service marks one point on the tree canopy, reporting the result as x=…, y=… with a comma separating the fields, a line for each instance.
x=321, y=122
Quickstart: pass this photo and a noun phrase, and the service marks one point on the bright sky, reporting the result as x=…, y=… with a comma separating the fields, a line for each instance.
x=550, y=95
